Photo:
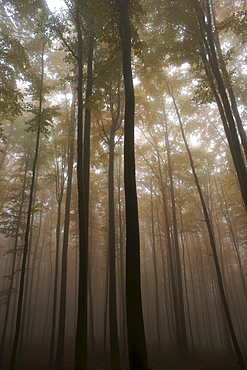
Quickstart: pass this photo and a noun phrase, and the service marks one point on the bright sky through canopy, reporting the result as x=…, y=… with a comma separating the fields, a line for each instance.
x=55, y=4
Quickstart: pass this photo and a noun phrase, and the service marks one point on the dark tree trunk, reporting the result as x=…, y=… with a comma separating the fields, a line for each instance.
x=157, y=301
x=29, y=213
x=212, y=69
x=229, y=87
x=83, y=163
x=81, y=329
x=121, y=247
x=63, y=287
x=180, y=295
x=115, y=358
x=114, y=343
x=55, y=288
x=16, y=238
x=135, y=326
x=170, y=261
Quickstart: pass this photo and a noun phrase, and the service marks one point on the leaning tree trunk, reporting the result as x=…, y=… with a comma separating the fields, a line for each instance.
x=217, y=84
x=135, y=326
x=213, y=247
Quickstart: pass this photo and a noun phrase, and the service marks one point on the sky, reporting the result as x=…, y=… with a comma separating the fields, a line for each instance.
x=55, y=4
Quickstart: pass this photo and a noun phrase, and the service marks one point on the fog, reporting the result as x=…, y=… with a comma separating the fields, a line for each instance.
x=123, y=185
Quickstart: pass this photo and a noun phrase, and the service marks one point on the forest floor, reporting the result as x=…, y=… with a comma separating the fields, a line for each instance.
x=35, y=359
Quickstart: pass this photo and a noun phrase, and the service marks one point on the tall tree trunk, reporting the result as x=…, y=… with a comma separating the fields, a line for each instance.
x=178, y=269
x=121, y=247
x=157, y=303
x=115, y=357
x=63, y=287
x=212, y=69
x=135, y=326
x=55, y=289
x=229, y=87
x=83, y=162
x=29, y=213
x=170, y=261
x=16, y=239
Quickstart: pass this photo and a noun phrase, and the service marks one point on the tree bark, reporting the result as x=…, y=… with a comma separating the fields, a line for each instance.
x=63, y=286
x=83, y=166
x=114, y=343
x=135, y=326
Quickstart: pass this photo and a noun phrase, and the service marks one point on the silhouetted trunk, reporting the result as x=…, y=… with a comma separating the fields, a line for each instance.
x=25, y=306
x=91, y=313
x=170, y=258
x=157, y=303
x=29, y=213
x=16, y=239
x=83, y=162
x=55, y=289
x=135, y=326
x=31, y=297
x=180, y=296
x=212, y=70
x=185, y=282
x=106, y=303
x=37, y=289
x=49, y=295
x=63, y=287
x=122, y=262
x=170, y=322
x=114, y=345
x=81, y=329
x=229, y=87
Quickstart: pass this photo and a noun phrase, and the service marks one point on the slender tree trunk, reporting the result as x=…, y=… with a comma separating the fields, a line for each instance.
x=91, y=312
x=182, y=323
x=121, y=247
x=229, y=87
x=106, y=303
x=7, y=311
x=212, y=69
x=171, y=262
x=157, y=303
x=55, y=289
x=135, y=326
x=30, y=300
x=170, y=319
x=115, y=357
x=29, y=212
x=83, y=162
x=63, y=287
x=30, y=332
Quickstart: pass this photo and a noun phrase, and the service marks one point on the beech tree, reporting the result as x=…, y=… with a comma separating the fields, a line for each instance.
x=135, y=325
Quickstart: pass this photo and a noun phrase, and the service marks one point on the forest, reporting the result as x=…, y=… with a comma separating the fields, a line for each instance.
x=123, y=177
